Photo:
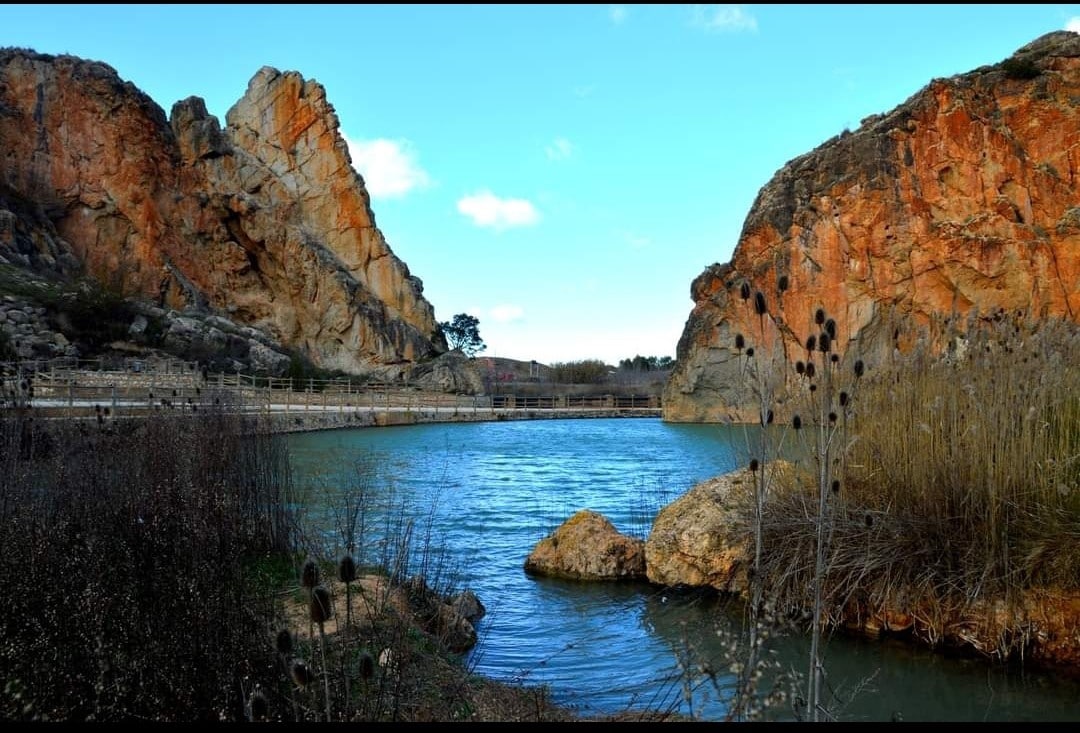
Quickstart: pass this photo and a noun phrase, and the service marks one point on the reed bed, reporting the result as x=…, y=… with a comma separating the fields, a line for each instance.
x=953, y=482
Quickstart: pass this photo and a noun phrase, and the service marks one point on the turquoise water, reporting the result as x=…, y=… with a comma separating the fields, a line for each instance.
x=482, y=494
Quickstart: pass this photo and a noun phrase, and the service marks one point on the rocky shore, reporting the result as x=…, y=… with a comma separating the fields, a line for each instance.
x=696, y=542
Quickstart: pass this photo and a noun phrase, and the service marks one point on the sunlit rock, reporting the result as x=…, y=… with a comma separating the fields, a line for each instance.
x=961, y=199
x=588, y=547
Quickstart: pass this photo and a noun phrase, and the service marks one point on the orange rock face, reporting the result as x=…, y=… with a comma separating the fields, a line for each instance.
x=964, y=199
x=264, y=220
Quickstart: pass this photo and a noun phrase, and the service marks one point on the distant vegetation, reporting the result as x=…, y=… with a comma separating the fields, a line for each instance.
x=594, y=371
x=647, y=364
x=464, y=333
x=586, y=371
x=89, y=314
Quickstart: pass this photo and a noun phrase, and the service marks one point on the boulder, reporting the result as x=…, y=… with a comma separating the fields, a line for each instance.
x=691, y=544
x=588, y=547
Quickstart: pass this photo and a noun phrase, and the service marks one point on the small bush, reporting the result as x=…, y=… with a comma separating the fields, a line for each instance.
x=1018, y=68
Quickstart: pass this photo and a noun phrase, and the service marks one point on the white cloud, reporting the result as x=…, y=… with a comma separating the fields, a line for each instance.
x=617, y=13
x=488, y=210
x=722, y=18
x=389, y=167
x=506, y=312
x=560, y=149
x=1073, y=24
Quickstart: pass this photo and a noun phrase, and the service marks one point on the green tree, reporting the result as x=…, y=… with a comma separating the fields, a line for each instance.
x=464, y=333
x=586, y=371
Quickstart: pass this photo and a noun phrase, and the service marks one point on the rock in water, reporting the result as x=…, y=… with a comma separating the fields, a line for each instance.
x=588, y=547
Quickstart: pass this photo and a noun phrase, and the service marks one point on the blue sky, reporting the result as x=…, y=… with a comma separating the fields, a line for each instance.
x=561, y=172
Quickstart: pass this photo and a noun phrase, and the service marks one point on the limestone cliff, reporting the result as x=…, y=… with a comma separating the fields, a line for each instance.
x=963, y=200
x=263, y=221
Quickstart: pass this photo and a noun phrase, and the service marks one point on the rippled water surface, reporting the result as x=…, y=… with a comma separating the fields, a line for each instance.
x=490, y=491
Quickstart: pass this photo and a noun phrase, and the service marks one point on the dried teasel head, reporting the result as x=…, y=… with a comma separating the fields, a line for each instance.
x=836, y=486
x=258, y=708
x=309, y=574
x=750, y=351
x=782, y=283
x=300, y=673
x=753, y=465
x=740, y=342
x=347, y=569
x=800, y=368
x=759, y=303
x=824, y=343
x=811, y=370
x=284, y=641
x=858, y=367
x=843, y=399
x=830, y=328
x=811, y=342
x=796, y=422
x=744, y=291
x=320, y=606
x=819, y=316
x=367, y=665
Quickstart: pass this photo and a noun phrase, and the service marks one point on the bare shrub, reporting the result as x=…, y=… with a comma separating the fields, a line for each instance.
x=126, y=556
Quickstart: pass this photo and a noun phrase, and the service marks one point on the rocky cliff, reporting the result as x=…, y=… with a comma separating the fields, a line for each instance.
x=964, y=200
x=263, y=222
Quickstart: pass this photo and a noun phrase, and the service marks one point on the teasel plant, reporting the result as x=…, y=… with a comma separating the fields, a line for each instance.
x=285, y=644
x=758, y=367
x=302, y=677
x=827, y=402
x=258, y=709
x=321, y=610
x=347, y=575
x=310, y=576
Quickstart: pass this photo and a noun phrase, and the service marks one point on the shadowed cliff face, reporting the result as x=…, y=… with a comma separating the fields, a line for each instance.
x=264, y=220
x=963, y=200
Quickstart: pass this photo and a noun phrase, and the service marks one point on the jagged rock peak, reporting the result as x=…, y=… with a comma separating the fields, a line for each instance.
x=263, y=220
x=961, y=200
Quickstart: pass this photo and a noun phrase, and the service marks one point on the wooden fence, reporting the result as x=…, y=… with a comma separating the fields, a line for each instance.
x=73, y=390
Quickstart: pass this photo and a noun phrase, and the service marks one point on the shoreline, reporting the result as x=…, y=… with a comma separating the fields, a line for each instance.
x=282, y=421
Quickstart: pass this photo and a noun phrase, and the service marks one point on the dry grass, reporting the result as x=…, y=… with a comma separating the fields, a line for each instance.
x=124, y=556
x=959, y=482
